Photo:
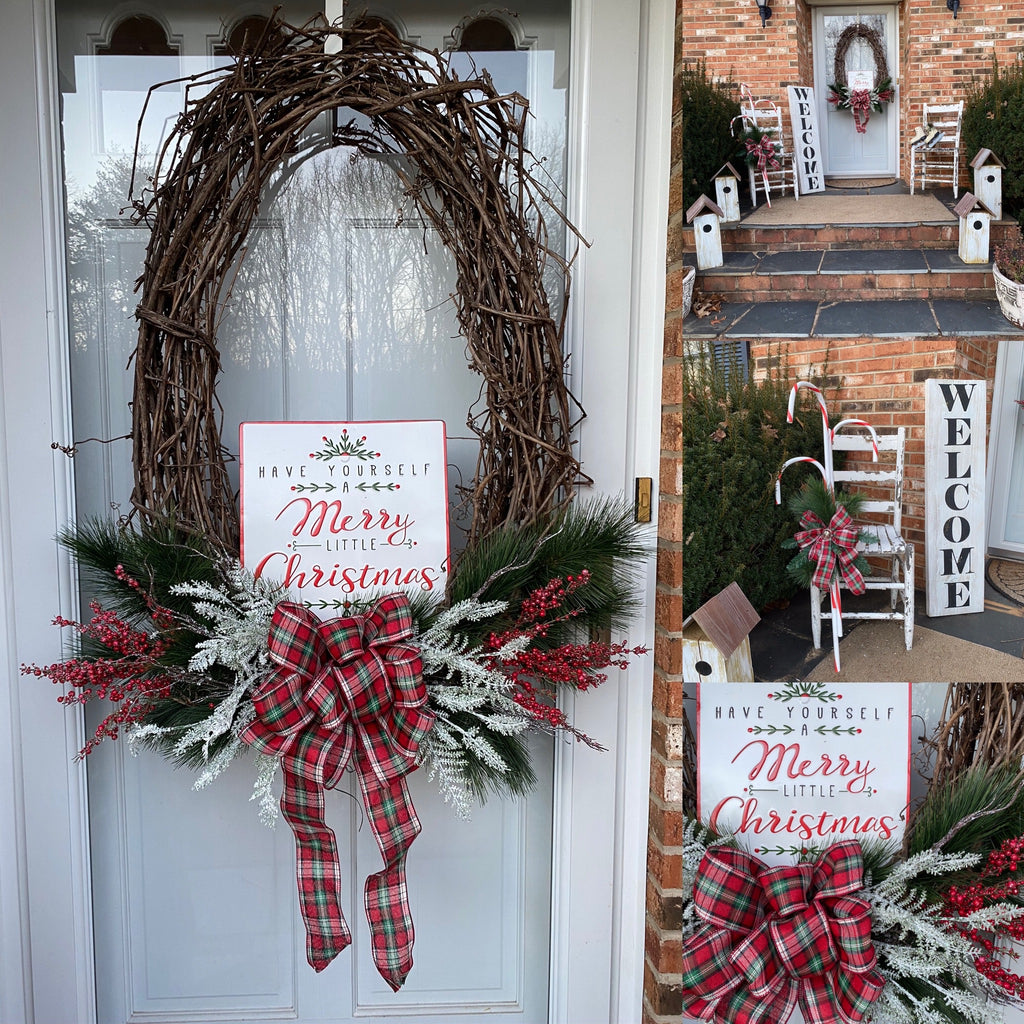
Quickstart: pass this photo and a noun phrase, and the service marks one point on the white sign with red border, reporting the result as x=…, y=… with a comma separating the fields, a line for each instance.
x=793, y=768
x=340, y=512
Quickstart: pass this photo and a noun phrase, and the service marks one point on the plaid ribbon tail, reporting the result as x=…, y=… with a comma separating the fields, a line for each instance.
x=317, y=868
x=386, y=896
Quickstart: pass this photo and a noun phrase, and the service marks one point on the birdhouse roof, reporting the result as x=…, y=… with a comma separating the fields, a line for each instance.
x=703, y=204
x=727, y=171
x=986, y=158
x=968, y=204
x=726, y=619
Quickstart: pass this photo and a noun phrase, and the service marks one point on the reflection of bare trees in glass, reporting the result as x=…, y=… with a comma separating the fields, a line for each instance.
x=859, y=53
x=342, y=272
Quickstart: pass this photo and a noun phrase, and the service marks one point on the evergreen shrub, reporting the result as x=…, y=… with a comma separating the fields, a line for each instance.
x=735, y=440
x=994, y=119
x=708, y=109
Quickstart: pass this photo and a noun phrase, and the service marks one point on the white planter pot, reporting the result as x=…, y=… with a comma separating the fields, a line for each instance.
x=1011, y=297
x=689, y=276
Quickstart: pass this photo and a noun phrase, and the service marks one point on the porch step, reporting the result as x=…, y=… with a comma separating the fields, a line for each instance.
x=881, y=318
x=847, y=274
x=779, y=238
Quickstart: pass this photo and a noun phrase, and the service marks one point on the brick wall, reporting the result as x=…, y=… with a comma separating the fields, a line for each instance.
x=882, y=380
x=939, y=57
x=663, y=954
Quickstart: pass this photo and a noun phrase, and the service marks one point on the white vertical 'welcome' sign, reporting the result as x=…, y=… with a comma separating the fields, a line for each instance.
x=810, y=168
x=954, y=486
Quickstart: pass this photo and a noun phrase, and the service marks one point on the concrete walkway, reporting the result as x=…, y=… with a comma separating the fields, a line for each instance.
x=980, y=648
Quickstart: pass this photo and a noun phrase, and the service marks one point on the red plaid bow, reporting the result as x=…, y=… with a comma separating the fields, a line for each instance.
x=774, y=937
x=347, y=688
x=764, y=152
x=831, y=545
x=860, y=105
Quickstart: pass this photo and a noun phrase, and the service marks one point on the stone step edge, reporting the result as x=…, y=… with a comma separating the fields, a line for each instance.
x=884, y=236
x=751, y=331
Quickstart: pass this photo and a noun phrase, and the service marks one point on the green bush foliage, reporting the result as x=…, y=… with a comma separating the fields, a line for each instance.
x=708, y=109
x=994, y=119
x=735, y=440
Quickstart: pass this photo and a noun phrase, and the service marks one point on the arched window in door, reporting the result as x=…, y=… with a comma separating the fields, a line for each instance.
x=486, y=34
x=241, y=37
x=138, y=35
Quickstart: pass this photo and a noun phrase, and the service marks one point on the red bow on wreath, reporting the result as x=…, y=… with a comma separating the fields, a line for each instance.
x=860, y=106
x=773, y=937
x=829, y=546
x=350, y=688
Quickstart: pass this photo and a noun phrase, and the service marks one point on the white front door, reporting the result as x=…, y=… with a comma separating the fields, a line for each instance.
x=340, y=311
x=1006, y=461
x=182, y=908
x=849, y=153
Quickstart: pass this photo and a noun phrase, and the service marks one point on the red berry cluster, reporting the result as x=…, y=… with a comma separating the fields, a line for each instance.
x=163, y=617
x=537, y=673
x=533, y=619
x=961, y=901
x=132, y=679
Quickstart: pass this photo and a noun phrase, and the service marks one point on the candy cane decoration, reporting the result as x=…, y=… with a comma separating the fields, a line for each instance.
x=827, y=470
x=834, y=599
x=859, y=423
x=790, y=462
x=762, y=160
x=801, y=385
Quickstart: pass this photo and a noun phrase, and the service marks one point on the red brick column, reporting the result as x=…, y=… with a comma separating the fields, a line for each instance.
x=663, y=966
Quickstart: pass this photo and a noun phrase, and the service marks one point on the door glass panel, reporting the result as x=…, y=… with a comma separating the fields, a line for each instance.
x=340, y=310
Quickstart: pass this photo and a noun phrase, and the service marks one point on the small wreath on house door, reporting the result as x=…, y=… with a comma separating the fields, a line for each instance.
x=861, y=101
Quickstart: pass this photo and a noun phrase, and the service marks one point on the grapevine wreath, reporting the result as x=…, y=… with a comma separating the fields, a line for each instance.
x=200, y=659
x=861, y=101
x=854, y=933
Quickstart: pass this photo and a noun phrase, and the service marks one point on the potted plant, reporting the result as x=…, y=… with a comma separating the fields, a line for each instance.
x=1008, y=271
x=689, y=276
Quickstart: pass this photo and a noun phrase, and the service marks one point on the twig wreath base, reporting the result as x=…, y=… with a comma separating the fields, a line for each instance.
x=461, y=156
x=861, y=101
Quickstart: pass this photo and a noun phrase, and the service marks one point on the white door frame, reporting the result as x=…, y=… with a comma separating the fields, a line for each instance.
x=46, y=956
x=822, y=74
x=1002, y=434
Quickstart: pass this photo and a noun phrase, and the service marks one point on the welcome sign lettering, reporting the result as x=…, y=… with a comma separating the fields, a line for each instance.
x=338, y=512
x=791, y=768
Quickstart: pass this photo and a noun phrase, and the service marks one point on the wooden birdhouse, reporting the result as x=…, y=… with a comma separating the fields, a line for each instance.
x=706, y=216
x=988, y=181
x=975, y=220
x=716, y=641
x=727, y=192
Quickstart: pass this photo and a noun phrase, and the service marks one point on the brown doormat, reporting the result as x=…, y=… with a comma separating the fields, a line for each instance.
x=831, y=208
x=859, y=182
x=1007, y=577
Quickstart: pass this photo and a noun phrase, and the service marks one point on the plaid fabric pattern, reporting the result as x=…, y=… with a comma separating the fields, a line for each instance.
x=350, y=689
x=830, y=547
x=777, y=937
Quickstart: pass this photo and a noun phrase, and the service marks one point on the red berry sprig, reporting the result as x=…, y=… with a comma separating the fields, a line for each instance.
x=132, y=679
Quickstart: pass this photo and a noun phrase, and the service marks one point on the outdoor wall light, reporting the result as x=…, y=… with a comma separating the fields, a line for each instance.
x=764, y=8
x=954, y=6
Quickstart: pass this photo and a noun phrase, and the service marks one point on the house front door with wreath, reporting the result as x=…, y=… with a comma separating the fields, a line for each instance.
x=341, y=311
x=855, y=48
